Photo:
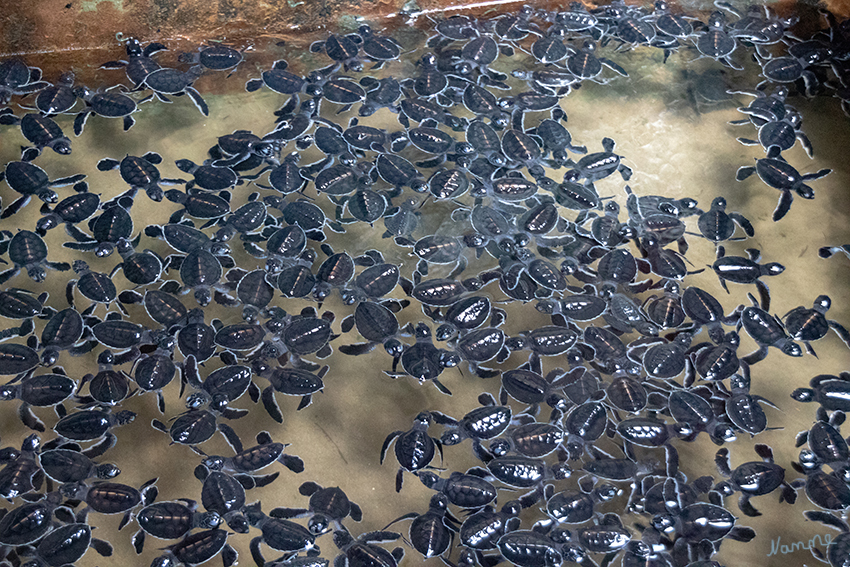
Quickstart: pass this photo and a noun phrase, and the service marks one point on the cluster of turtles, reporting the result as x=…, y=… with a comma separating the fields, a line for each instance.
x=579, y=421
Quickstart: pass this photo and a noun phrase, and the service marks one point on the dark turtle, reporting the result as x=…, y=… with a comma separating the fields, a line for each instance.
x=16, y=78
x=343, y=50
x=90, y=425
x=777, y=173
x=584, y=64
x=809, y=325
x=278, y=79
x=838, y=550
x=21, y=473
x=171, y=520
x=139, y=61
x=28, y=251
x=431, y=533
x=69, y=211
x=140, y=268
x=41, y=131
x=715, y=42
x=21, y=304
x=781, y=134
x=29, y=179
x=754, y=478
x=29, y=522
x=362, y=551
x=140, y=173
x=17, y=359
x=380, y=93
x=106, y=104
x=335, y=89
x=414, y=449
x=788, y=69
x=742, y=270
x=328, y=507
x=216, y=57
x=200, y=547
x=68, y=465
x=108, y=228
x=717, y=225
x=596, y=166
x=208, y=176
x=423, y=360
x=58, y=98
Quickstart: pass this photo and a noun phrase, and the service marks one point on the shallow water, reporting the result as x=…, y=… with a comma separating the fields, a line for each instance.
x=675, y=148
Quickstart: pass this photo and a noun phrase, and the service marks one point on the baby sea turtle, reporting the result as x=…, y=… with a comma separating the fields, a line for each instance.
x=766, y=331
x=278, y=534
x=414, y=448
x=199, y=547
x=781, y=134
x=380, y=93
x=328, y=507
x=140, y=173
x=838, y=549
x=168, y=81
x=29, y=179
x=431, y=533
x=28, y=251
x=363, y=551
x=139, y=61
x=754, y=478
x=65, y=465
x=423, y=360
x=41, y=131
x=787, y=69
x=585, y=64
x=779, y=174
x=216, y=57
x=106, y=104
x=58, y=98
x=717, y=225
x=16, y=78
x=108, y=228
x=69, y=211
x=278, y=79
x=246, y=462
x=378, y=48
x=747, y=270
x=715, y=42
x=91, y=425
x=596, y=166
x=343, y=50
x=68, y=544
x=809, y=325
x=171, y=520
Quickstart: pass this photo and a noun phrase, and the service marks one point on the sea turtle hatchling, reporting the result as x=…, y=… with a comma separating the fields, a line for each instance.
x=779, y=174
x=106, y=104
x=28, y=179
x=27, y=250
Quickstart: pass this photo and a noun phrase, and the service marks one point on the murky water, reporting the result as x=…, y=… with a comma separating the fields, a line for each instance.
x=675, y=146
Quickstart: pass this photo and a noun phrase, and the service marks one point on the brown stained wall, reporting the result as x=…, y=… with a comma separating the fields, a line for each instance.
x=69, y=25
x=80, y=34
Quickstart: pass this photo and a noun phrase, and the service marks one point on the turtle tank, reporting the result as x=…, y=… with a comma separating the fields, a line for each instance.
x=385, y=283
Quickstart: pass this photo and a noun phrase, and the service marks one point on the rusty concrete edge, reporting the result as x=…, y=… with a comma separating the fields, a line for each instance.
x=28, y=28
x=80, y=34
